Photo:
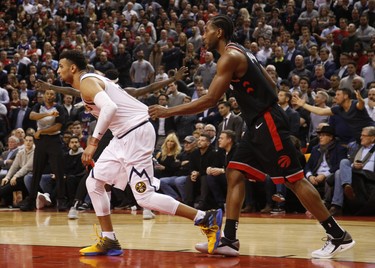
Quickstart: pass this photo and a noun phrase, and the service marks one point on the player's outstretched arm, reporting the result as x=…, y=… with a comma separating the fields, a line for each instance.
x=43, y=86
x=136, y=92
x=224, y=73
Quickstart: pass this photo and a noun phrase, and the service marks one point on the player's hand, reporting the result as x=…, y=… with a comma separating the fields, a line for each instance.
x=157, y=111
x=41, y=85
x=181, y=73
x=88, y=154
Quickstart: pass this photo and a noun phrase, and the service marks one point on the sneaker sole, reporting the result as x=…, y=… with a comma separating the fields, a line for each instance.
x=40, y=202
x=340, y=249
x=114, y=252
x=202, y=248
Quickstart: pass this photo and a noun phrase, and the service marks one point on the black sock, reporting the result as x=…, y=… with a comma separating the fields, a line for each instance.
x=230, y=229
x=332, y=228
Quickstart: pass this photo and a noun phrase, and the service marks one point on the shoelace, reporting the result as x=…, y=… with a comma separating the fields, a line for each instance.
x=328, y=240
x=97, y=237
x=209, y=230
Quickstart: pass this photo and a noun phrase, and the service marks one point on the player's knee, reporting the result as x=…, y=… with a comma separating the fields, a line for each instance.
x=93, y=185
x=144, y=200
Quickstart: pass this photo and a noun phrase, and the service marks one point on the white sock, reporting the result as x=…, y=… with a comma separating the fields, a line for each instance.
x=110, y=235
x=200, y=215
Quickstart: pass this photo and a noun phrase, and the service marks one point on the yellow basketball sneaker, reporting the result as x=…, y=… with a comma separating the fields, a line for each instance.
x=104, y=246
x=211, y=227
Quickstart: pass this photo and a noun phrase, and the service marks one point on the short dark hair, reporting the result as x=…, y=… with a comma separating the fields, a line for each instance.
x=230, y=134
x=206, y=136
x=306, y=79
x=226, y=103
x=76, y=57
x=225, y=23
x=346, y=91
x=73, y=137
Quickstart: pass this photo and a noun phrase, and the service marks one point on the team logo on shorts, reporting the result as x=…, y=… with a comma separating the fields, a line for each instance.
x=140, y=187
x=284, y=161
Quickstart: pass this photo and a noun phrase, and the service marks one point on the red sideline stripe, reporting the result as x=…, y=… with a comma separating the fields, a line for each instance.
x=273, y=130
x=296, y=176
x=254, y=173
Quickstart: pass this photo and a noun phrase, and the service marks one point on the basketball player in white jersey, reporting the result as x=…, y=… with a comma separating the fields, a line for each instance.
x=128, y=157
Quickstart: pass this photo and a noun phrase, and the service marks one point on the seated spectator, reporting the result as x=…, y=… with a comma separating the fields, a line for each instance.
x=216, y=179
x=324, y=160
x=74, y=171
x=166, y=160
x=77, y=131
x=13, y=181
x=320, y=82
x=370, y=103
x=320, y=100
x=185, y=123
x=355, y=180
x=230, y=120
x=346, y=82
x=285, y=98
x=196, y=188
x=174, y=186
x=8, y=156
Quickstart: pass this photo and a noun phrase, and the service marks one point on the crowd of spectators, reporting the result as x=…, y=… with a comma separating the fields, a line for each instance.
x=320, y=53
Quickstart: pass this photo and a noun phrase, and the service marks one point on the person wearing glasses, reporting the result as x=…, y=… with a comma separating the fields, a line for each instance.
x=355, y=180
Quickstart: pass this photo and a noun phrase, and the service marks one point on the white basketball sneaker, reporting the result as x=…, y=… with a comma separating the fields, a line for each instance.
x=148, y=215
x=334, y=246
x=42, y=200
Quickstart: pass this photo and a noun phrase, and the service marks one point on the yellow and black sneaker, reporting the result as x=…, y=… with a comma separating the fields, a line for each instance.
x=105, y=246
x=211, y=227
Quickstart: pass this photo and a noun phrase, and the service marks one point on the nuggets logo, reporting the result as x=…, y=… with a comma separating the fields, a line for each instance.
x=284, y=161
x=140, y=187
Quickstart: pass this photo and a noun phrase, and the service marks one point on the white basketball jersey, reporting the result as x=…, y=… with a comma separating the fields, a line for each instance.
x=130, y=112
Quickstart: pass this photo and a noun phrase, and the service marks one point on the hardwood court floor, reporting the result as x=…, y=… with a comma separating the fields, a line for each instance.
x=49, y=239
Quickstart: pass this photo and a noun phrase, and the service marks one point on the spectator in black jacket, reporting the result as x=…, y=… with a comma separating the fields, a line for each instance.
x=196, y=188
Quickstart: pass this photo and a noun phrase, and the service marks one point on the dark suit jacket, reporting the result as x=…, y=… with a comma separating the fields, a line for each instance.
x=294, y=119
x=330, y=68
x=26, y=122
x=294, y=55
x=283, y=68
x=73, y=116
x=21, y=70
x=234, y=123
x=345, y=74
x=334, y=156
x=213, y=117
x=4, y=156
x=169, y=125
x=311, y=64
x=3, y=79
